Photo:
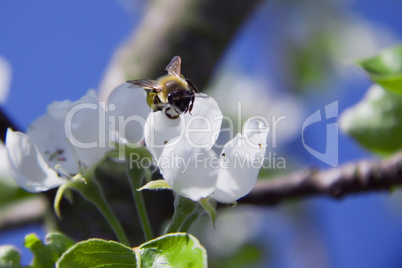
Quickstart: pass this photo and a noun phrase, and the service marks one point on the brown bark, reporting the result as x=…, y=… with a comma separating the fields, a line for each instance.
x=358, y=177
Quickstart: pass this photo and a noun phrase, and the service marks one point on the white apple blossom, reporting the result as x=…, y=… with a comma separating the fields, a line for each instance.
x=28, y=166
x=183, y=151
x=51, y=151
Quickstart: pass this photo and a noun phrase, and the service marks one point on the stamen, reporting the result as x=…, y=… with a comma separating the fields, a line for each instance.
x=62, y=173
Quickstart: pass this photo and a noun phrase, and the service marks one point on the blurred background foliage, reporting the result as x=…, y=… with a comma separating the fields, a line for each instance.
x=278, y=57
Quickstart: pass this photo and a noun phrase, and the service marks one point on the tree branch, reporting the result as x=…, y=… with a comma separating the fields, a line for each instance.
x=357, y=177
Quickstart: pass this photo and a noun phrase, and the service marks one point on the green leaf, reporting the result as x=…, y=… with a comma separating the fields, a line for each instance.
x=9, y=257
x=177, y=250
x=173, y=250
x=385, y=68
x=98, y=253
x=46, y=255
x=376, y=121
x=155, y=185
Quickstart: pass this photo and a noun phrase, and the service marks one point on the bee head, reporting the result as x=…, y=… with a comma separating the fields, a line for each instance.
x=182, y=100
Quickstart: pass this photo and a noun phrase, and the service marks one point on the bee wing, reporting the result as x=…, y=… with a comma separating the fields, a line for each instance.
x=147, y=84
x=174, y=66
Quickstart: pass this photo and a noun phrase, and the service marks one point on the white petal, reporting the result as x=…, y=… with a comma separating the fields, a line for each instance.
x=200, y=129
x=161, y=131
x=86, y=129
x=59, y=109
x=127, y=111
x=47, y=133
x=5, y=174
x=71, y=133
x=255, y=132
x=27, y=165
x=204, y=123
x=189, y=171
x=241, y=160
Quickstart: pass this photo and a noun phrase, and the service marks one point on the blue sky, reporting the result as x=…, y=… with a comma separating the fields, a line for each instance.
x=57, y=50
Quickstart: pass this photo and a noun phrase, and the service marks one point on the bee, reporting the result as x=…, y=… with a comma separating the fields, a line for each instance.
x=171, y=93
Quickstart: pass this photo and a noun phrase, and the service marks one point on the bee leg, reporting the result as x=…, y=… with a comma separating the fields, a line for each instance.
x=191, y=86
x=190, y=107
x=169, y=113
x=157, y=103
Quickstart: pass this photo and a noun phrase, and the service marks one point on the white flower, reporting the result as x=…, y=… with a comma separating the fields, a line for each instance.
x=5, y=174
x=182, y=147
x=201, y=128
x=182, y=150
x=27, y=165
x=61, y=143
x=127, y=110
